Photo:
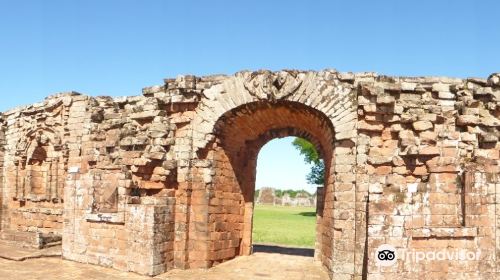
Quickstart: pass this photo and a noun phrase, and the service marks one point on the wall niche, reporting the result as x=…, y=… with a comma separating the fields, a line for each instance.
x=38, y=167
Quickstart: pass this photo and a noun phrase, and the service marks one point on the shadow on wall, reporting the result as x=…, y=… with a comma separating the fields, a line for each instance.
x=304, y=252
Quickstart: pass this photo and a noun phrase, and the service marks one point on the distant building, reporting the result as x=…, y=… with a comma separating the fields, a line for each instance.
x=304, y=199
x=267, y=196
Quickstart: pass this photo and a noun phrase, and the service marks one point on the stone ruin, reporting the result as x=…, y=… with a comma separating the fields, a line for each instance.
x=301, y=199
x=166, y=180
x=267, y=195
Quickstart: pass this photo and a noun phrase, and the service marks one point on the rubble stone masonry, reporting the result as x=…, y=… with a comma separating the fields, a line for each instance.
x=167, y=179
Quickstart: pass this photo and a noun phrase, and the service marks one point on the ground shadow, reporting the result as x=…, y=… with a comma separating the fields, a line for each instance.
x=261, y=248
x=307, y=214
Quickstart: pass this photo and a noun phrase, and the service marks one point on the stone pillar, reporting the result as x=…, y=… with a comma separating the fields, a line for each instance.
x=73, y=238
x=246, y=243
x=343, y=198
x=495, y=205
x=319, y=221
x=482, y=214
x=2, y=144
x=150, y=238
x=182, y=209
x=68, y=234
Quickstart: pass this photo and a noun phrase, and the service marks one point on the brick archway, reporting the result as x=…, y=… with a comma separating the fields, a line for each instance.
x=240, y=134
x=233, y=121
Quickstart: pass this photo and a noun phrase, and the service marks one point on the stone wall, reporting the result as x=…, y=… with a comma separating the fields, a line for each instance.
x=421, y=142
x=122, y=193
x=301, y=199
x=35, y=165
x=166, y=180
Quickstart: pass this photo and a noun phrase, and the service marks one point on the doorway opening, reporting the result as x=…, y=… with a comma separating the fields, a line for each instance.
x=284, y=215
x=240, y=135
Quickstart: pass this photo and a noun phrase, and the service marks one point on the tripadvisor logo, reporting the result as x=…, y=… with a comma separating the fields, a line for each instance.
x=387, y=255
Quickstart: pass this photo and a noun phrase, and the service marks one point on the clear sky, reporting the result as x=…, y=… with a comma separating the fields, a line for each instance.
x=116, y=47
x=281, y=166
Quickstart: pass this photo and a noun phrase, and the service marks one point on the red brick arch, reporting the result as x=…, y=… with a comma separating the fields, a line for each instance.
x=240, y=134
x=232, y=122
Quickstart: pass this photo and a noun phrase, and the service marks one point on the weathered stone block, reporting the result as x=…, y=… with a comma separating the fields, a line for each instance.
x=422, y=125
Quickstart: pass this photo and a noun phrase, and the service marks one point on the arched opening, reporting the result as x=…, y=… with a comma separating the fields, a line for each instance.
x=37, y=176
x=240, y=134
x=284, y=217
x=39, y=172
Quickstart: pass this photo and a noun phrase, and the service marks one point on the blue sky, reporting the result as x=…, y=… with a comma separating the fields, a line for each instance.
x=280, y=165
x=117, y=47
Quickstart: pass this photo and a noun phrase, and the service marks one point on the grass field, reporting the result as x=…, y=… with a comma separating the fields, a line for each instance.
x=284, y=225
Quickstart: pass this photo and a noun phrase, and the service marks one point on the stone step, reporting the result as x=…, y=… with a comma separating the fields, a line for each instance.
x=36, y=240
x=12, y=252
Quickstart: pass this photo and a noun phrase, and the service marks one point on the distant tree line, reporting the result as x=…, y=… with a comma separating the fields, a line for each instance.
x=291, y=193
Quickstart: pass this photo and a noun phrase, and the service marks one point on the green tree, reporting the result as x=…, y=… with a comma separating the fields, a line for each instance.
x=278, y=193
x=317, y=174
x=291, y=193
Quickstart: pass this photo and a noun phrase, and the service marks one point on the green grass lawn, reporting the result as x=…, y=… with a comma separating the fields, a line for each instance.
x=284, y=225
